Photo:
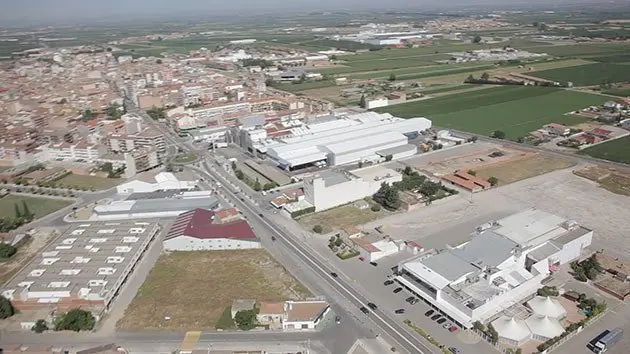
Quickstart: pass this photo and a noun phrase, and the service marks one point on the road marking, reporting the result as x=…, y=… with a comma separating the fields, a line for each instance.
x=190, y=342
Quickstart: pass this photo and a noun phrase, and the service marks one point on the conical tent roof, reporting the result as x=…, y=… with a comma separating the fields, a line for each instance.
x=544, y=326
x=511, y=328
x=546, y=306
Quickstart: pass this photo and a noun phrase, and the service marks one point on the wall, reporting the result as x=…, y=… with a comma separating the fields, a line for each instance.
x=185, y=243
x=573, y=249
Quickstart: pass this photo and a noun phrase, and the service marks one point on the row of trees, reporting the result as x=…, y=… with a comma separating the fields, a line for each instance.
x=586, y=270
x=256, y=185
x=74, y=320
x=22, y=216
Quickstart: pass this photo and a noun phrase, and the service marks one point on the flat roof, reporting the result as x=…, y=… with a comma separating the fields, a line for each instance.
x=530, y=227
x=374, y=173
x=397, y=150
x=93, y=256
x=486, y=249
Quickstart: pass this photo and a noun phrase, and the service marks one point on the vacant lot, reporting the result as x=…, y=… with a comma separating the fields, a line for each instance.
x=512, y=171
x=516, y=110
x=617, y=150
x=588, y=75
x=195, y=288
x=609, y=179
x=336, y=218
x=38, y=206
x=98, y=183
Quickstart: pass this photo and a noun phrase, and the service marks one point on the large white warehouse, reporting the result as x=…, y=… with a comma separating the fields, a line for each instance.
x=345, y=140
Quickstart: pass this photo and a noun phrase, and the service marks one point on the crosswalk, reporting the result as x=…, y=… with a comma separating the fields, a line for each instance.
x=190, y=342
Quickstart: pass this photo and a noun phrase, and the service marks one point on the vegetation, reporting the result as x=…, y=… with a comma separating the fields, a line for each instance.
x=317, y=229
x=256, y=62
x=589, y=74
x=375, y=208
x=305, y=211
x=40, y=326
x=493, y=181
x=87, y=115
x=115, y=111
x=75, y=320
x=617, y=150
x=587, y=269
x=548, y=291
x=7, y=250
x=157, y=113
x=498, y=134
x=427, y=336
x=388, y=197
x=6, y=309
x=246, y=319
x=492, y=333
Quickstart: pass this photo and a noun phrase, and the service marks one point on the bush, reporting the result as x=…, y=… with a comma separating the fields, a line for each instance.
x=39, y=327
x=376, y=208
x=75, y=320
x=297, y=213
x=6, y=309
x=318, y=229
x=6, y=250
x=246, y=319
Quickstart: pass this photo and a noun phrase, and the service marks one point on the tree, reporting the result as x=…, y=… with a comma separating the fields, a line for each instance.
x=485, y=76
x=376, y=208
x=26, y=213
x=159, y=61
x=75, y=320
x=477, y=39
x=388, y=157
x=18, y=213
x=246, y=319
x=472, y=172
x=7, y=250
x=392, y=77
x=470, y=79
x=87, y=115
x=535, y=24
x=40, y=326
x=473, y=139
x=493, y=181
x=387, y=196
x=429, y=188
x=494, y=335
x=479, y=326
x=239, y=174
x=498, y=134
x=362, y=102
x=257, y=187
x=317, y=229
x=6, y=309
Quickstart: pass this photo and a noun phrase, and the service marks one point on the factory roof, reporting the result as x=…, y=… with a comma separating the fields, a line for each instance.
x=487, y=249
x=183, y=202
x=531, y=227
x=201, y=223
x=397, y=150
x=332, y=178
x=375, y=173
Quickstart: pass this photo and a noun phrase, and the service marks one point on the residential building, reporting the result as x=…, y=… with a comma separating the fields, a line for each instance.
x=82, y=152
x=17, y=153
x=557, y=129
x=206, y=230
x=292, y=315
x=467, y=181
x=148, y=138
x=374, y=249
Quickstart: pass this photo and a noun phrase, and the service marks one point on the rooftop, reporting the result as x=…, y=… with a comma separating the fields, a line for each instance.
x=200, y=223
x=531, y=227
x=305, y=310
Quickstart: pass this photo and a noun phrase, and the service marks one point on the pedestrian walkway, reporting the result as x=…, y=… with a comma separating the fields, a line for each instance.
x=190, y=342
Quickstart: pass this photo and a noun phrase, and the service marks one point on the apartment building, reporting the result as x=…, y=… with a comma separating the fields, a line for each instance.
x=82, y=152
x=148, y=138
x=17, y=152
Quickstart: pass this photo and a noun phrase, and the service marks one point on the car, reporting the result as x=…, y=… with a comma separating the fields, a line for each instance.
x=441, y=320
x=414, y=301
x=364, y=310
x=410, y=299
x=429, y=313
x=374, y=263
x=453, y=329
x=338, y=320
x=397, y=290
x=435, y=317
x=447, y=325
x=334, y=275
x=454, y=350
x=399, y=311
x=388, y=282
x=261, y=215
x=372, y=305
x=273, y=238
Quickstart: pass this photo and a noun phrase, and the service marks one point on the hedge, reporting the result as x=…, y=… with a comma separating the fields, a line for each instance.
x=297, y=213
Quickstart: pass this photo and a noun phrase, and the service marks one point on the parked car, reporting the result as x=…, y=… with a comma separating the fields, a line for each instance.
x=414, y=301
x=429, y=313
x=388, y=282
x=399, y=311
x=453, y=329
x=441, y=320
x=364, y=310
x=397, y=290
x=374, y=263
x=454, y=350
x=447, y=325
x=436, y=316
x=334, y=275
x=372, y=305
x=409, y=299
x=338, y=320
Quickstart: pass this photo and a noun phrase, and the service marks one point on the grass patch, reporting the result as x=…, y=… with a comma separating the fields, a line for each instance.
x=181, y=281
x=587, y=75
x=225, y=321
x=427, y=336
x=336, y=218
x=413, y=73
x=618, y=92
x=512, y=171
x=446, y=88
x=38, y=206
x=516, y=110
x=99, y=183
x=580, y=49
x=186, y=158
x=617, y=150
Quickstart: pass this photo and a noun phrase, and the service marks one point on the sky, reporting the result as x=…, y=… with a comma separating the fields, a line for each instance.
x=30, y=12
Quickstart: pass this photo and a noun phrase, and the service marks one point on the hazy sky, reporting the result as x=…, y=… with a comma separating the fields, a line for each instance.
x=27, y=12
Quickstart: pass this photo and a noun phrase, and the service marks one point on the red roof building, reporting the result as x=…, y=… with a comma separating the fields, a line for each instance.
x=206, y=230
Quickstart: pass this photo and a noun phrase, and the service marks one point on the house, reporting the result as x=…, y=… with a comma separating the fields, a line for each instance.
x=612, y=105
x=557, y=129
x=292, y=315
x=373, y=250
x=202, y=229
x=271, y=314
x=467, y=181
x=601, y=133
x=241, y=305
x=625, y=124
x=587, y=138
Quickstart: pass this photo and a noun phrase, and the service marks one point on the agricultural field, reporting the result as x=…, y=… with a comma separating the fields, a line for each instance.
x=516, y=110
x=513, y=171
x=416, y=73
x=588, y=75
x=617, y=150
x=38, y=206
x=177, y=285
x=581, y=50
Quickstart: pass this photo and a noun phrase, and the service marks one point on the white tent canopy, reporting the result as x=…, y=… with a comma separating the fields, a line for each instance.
x=546, y=306
x=544, y=326
x=512, y=329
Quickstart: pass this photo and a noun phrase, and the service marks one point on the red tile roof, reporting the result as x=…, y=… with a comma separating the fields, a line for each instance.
x=198, y=223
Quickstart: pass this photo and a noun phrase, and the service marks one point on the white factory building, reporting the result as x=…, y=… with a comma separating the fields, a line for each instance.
x=348, y=139
x=143, y=208
x=164, y=181
x=504, y=263
x=329, y=189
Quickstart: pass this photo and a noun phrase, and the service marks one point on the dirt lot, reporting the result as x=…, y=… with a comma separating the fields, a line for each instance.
x=522, y=168
x=336, y=218
x=611, y=180
x=195, y=288
x=470, y=161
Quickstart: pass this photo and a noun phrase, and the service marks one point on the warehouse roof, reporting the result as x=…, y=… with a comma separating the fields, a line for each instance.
x=201, y=223
x=531, y=227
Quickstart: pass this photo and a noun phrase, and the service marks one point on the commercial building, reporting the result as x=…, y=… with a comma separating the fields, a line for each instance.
x=206, y=230
x=292, y=315
x=83, y=267
x=164, y=181
x=329, y=189
x=155, y=208
x=344, y=140
x=504, y=263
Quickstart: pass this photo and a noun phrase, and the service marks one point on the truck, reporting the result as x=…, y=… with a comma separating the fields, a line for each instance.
x=606, y=340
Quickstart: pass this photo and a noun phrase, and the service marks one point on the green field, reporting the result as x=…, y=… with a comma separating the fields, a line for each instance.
x=516, y=110
x=621, y=92
x=589, y=74
x=415, y=73
x=38, y=206
x=309, y=85
x=446, y=88
x=616, y=150
x=98, y=183
x=581, y=50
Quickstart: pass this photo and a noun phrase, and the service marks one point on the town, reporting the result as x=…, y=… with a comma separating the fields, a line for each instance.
x=357, y=183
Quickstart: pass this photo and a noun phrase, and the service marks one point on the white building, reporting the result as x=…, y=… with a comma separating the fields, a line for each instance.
x=377, y=102
x=71, y=152
x=164, y=181
x=205, y=230
x=544, y=328
x=546, y=306
x=155, y=208
x=344, y=140
x=331, y=188
x=502, y=265
x=293, y=315
x=373, y=251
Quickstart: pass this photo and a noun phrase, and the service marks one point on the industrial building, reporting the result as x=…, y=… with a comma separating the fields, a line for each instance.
x=329, y=189
x=504, y=263
x=148, y=207
x=83, y=267
x=206, y=230
x=164, y=181
x=344, y=140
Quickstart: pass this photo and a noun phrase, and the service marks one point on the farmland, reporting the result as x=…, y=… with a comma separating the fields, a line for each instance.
x=516, y=110
x=617, y=150
x=414, y=73
x=580, y=50
x=588, y=75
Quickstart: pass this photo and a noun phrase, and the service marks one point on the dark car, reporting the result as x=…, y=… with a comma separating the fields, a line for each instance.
x=397, y=290
x=441, y=320
x=273, y=238
x=365, y=310
x=372, y=305
x=410, y=299
x=400, y=311
x=429, y=313
x=435, y=317
x=334, y=275
x=388, y=282
x=454, y=350
x=261, y=215
x=374, y=263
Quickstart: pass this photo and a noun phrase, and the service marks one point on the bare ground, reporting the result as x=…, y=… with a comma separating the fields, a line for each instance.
x=518, y=169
